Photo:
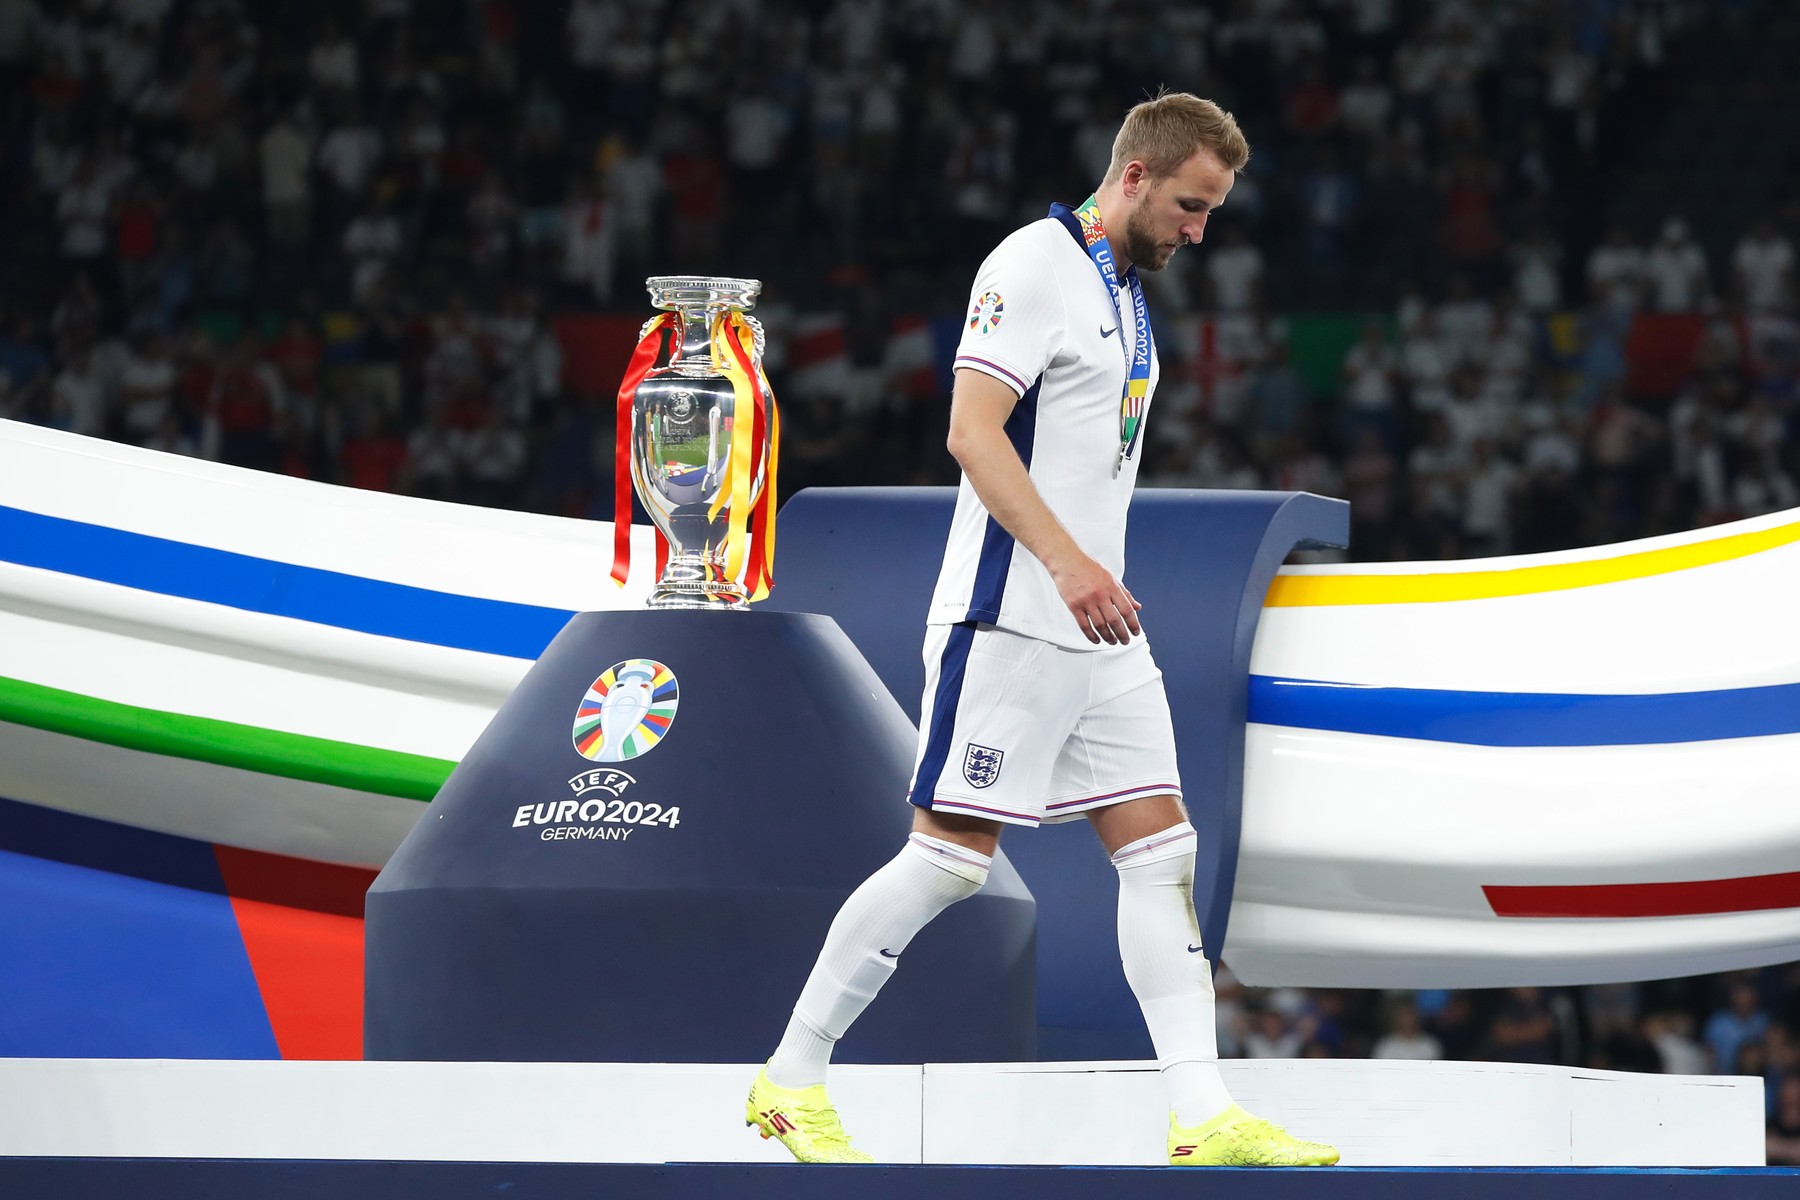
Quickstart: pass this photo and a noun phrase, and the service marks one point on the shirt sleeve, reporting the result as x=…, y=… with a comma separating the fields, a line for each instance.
x=1015, y=320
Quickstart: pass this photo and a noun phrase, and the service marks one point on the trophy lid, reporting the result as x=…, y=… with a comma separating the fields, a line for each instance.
x=702, y=291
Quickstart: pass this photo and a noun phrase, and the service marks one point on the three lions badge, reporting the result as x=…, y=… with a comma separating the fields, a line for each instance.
x=981, y=765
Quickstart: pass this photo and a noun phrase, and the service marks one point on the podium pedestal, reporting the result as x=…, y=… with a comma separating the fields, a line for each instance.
x=588, y=887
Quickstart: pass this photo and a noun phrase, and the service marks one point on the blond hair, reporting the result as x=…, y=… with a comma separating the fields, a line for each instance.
x=1164, y=132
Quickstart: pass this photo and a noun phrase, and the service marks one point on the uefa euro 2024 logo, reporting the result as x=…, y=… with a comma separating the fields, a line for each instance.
x=627, y=711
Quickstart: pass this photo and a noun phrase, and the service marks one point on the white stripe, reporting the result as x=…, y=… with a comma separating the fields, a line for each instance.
x=1373, y=851
x=1725, y=625
x=207, y=660
x=203, y=801
x=495, y=554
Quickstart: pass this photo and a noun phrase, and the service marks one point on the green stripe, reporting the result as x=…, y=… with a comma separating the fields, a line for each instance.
x=248, y=747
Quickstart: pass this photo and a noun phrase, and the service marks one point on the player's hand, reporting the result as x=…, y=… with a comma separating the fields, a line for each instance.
x=1101, y=606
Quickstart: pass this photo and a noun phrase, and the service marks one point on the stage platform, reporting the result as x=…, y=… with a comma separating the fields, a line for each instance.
x=178, y=1179
x=1379, y=1114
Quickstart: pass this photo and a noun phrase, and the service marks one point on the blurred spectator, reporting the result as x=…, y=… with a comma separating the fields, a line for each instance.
x=1537, y=271
x=589, y=235
x=1367, y=104
x=1739, y=1021
x=83, y=206
x=1523, y=1029
x=434, y=459
x=244, y=403
x=1370, y=481
x=491, y=458
x=1465, y=320
x=25, y=367
x=286, y=153
x=1763, y=267
x=1273, y=1034
x=348, y=155
x=1677, y=272
x=78, y=396
x=1371, y=382
x=373, y=457
x=1671, y=1031
x=1616, y=270
x=1426, y=361
x=146, y=388
x=633, y=188
x=1782, y=1146
x=1492, y=485
x=1405, y=1036
x=1234, y=272
x=371, y=244
x=334, y=64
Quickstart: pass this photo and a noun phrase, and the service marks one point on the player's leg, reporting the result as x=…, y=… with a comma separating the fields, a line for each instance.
x=931, y=872
x=861, y=950
x=972, y=705
x=1122, y=746
x=1152, y=847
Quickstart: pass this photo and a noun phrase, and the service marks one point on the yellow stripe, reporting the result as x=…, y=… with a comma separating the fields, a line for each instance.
x=1293, y=590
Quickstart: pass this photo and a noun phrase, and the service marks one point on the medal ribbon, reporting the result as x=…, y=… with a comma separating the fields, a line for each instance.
x=1137, y=377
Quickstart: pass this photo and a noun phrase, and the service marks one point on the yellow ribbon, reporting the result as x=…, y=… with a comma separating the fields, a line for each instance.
x=741, y=469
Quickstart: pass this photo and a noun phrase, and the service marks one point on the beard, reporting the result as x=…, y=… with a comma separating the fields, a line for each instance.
x=1141, y=246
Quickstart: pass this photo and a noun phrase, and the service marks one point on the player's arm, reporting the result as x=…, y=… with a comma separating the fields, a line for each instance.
x=979, y=407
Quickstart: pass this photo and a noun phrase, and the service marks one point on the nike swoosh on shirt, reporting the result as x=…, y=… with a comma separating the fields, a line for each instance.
x=1109, y=332
x=885, y=953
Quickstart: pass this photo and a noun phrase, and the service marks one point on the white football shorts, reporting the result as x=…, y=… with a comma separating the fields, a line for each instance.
x=1023, y=731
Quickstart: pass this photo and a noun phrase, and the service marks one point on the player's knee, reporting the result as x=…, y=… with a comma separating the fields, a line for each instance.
x=974, y=833
x=967, y=869
x=1165, y=857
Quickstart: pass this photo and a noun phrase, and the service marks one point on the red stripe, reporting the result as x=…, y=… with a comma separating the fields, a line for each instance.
x=1168, y=788
x=999, y=812
x=302, y=927
x=1022, y=385
x=1753, y=893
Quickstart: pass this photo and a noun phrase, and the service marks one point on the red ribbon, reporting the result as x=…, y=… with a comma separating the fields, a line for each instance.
x=642, y=359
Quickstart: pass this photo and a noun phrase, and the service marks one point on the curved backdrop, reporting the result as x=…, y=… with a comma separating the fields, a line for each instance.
x=225, y=696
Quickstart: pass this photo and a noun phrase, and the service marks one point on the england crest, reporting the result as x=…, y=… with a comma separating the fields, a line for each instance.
x=981, y=765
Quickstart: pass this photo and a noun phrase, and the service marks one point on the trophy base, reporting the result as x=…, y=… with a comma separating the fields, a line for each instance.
x=698, y=600
x=692, y=584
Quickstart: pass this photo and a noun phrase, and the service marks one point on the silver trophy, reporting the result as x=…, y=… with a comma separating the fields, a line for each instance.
x=684, y=416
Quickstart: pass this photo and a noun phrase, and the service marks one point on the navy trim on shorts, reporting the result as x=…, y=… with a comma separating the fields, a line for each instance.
x=951, y=669
x=997, y=544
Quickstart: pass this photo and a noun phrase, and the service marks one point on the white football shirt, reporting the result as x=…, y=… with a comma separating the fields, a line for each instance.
x=1042, y=321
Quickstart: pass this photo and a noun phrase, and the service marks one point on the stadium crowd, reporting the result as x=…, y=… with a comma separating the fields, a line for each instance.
x=334, y=240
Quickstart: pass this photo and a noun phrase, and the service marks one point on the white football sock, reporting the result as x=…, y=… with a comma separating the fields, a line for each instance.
x=876, y=923
x=1159, y=944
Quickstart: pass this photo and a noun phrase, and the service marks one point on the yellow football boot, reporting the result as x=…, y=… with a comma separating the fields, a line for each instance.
x=1234, y=1138
x=803, y=1119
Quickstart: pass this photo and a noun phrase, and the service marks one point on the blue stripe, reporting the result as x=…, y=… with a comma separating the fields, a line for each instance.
x=996, y=544
x=171, y=568
x=1526, y=718
x=120, y=943
x=951, y=669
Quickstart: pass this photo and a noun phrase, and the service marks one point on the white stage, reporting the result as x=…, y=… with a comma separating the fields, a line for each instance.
x=1377, y=1113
